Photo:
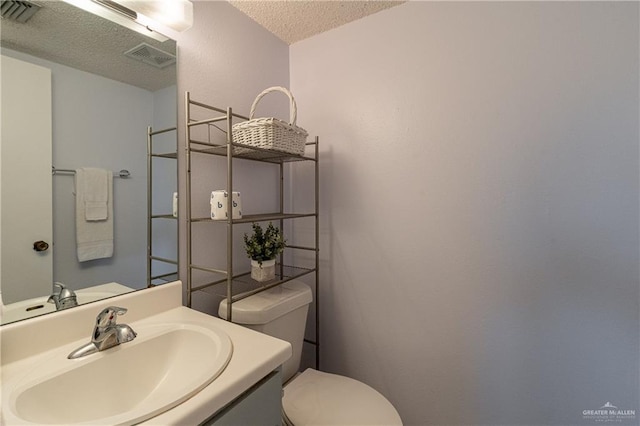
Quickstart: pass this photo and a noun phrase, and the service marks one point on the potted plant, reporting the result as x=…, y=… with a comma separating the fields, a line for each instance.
x=263, y=247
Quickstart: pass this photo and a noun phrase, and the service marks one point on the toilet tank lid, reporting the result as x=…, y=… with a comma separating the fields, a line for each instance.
x=268, y=305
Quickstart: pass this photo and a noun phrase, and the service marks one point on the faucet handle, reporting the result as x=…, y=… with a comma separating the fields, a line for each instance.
x=108, y=315
x=57, y=289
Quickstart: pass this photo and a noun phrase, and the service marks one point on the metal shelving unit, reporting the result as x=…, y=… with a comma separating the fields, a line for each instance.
x=173, y=275
x=233, y=151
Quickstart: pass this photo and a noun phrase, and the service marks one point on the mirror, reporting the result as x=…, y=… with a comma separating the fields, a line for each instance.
x=101, y=106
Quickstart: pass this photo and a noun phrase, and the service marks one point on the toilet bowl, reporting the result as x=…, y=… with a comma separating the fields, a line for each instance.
x=311, y=397
x=319, y=398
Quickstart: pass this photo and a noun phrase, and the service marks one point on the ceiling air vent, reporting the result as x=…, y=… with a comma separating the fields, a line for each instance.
x=151, y=55
x=19, y=11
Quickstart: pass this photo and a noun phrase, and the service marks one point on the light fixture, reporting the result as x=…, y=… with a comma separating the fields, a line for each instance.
x=176, y=15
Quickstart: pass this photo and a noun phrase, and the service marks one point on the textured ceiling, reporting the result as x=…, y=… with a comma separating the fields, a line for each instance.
x=64, y=34
x=295, y=20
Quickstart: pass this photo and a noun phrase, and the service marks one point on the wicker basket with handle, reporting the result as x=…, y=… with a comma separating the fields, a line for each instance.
x=272, y=133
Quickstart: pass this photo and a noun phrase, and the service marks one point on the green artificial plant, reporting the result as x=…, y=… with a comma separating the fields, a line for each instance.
x=264, y=245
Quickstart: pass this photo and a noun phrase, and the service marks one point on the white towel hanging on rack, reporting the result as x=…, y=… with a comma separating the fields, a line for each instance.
x=95, y=189
x=94, y=213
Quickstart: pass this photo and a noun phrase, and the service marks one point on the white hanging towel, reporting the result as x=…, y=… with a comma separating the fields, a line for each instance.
x=94, y=213
x=95, y=189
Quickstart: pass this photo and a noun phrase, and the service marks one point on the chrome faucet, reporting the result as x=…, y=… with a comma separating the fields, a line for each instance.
x=106, y=333
x=63, y=297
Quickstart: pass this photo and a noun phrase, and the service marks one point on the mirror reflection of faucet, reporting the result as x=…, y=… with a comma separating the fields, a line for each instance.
x=106, y=333
x=63, y=297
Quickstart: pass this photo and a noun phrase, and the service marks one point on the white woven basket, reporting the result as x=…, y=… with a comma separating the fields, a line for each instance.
x=272, y=133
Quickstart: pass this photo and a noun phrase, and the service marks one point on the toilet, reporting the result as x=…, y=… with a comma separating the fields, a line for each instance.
x=311, y=397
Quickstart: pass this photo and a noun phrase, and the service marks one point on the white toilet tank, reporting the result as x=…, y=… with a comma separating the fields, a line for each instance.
x=280, y=312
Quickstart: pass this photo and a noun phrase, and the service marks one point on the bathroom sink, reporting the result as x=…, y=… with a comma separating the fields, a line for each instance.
x=130, y=383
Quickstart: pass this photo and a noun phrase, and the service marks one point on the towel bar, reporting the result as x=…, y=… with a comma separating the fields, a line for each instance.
x=121, y=174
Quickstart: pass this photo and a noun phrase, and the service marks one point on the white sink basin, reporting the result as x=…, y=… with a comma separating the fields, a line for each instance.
x=164, y=366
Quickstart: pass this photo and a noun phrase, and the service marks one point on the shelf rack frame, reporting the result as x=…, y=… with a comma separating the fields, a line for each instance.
x=233, y=151
x=150, y=216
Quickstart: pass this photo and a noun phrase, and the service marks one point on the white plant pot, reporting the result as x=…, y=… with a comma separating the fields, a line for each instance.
x=264, y=272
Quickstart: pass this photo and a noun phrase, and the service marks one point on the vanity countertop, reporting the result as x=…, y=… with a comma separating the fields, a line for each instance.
x=254, y=355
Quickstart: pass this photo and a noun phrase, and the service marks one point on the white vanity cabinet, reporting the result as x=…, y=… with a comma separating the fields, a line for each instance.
x=261, y=405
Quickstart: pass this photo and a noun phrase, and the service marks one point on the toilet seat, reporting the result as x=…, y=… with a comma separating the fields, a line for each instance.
x=319, y=398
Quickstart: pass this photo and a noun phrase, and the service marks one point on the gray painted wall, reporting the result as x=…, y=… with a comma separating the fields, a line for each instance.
x=479, y=201
x=226, y=60
x=505, y=139
x=110, y=135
